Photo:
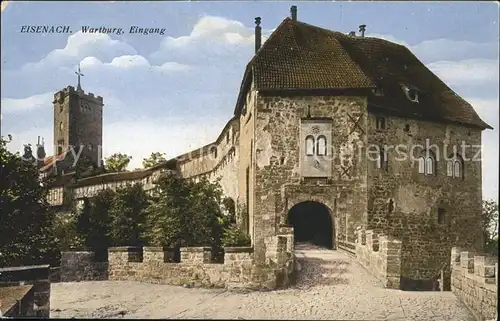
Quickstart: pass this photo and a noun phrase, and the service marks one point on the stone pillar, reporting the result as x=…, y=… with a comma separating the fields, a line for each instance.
x=467, y=261
x=455, y=257
x=39, y=277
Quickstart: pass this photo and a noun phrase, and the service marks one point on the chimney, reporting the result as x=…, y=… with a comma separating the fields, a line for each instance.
x=362, y=29
x=258, y=34
x=352, y=33
x=293, y=12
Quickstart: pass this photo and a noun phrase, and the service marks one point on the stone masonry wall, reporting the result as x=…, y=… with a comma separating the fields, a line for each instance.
x=474, y=280
x=238, y=270
x=38, y=276
x=381, y=255
x=402, y=203
x=81, y=266
x=222, y=167
x=277, y=162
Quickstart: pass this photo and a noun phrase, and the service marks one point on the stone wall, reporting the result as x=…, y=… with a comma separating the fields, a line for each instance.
x=474, y=280
x=17, y=301
x=38, y=277
x=278, y=181
x=195, y=268
x=81, y=266
x=381, y=255
x=404, y=203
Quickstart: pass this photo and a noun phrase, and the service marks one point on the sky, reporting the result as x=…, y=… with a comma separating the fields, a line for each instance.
x=174, y=92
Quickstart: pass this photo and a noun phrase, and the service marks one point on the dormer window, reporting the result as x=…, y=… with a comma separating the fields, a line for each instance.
x=411, y=93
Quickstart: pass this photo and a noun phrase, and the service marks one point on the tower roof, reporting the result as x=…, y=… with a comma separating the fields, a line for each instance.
x=299, y=56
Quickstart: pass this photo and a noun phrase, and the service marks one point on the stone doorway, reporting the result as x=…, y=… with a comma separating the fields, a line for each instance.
x=312, y=222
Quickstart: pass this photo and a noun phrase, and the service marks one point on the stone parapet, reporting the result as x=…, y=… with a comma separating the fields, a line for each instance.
x=474, y=281
x=381, y=255
x=81, y=266
x=195, y=267
x=39, y=277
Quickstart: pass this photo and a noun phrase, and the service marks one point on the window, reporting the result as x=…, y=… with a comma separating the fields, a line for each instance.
x=429, y=166
x=390, y=205
x=61, y=108
x=421, y=165
x=61, y=126
x=59, y=150
x=321, y=146
x=382, y=159
x=380, y=122
x=454, y=167
x=411, y=93
x=214, y=152
x=441, y=216
x=309, y=145
x=227, y=137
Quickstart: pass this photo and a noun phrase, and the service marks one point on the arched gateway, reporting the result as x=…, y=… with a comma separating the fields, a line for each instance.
x=312, y=222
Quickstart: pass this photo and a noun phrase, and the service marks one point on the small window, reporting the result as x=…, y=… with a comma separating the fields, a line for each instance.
x=380, y=122
x=449, y=168
x=321, y=146
x=309, y=145
x=455, y=167
x=390, y=206
x=214, y=152
x=59, y=150
x=457, y=170
x=227, y=137
x=441, y=216
x=382, y=159
x=429, y=166
x=421, y=165
x=61, y=126
x=61, y=108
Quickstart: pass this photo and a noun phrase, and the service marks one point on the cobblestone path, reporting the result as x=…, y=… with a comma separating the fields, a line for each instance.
x=330, y=285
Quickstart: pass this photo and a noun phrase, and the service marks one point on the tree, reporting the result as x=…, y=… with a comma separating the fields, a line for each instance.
x=127, y=216
x=98, y=237
x=184, y=213
x=117, y=162
x=26, y=234
x=154, y=159
x=490, y=226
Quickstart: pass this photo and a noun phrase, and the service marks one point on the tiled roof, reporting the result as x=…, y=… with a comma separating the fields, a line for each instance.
x=301, y=56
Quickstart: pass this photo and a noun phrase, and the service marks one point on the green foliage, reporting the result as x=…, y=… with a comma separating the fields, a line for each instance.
x=490, y=227
x=154, y=159
x=66, y=232
x=117, y=162
x=98, y=237
x=184, y=213
x=127, y=216
x=235, y=236
x=26, y=235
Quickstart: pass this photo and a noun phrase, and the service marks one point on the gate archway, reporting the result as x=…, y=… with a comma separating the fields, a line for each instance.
x=312, y=222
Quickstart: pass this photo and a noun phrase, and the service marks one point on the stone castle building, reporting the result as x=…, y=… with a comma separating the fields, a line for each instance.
x=320, y=127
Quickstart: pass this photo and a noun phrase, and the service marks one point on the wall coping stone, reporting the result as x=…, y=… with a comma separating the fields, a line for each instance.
x=24, y=273
x=238, y=249
x=158, y=249
x=124, y=249
x=196, y=249
x=21, y=268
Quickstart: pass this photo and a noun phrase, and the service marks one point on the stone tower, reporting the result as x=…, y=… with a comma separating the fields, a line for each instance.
x=78, y=123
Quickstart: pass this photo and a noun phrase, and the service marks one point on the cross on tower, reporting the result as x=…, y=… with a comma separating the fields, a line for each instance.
x=79, y=74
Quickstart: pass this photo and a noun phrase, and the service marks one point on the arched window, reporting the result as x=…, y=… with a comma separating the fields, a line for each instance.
x=455, y=166
x=309, y=145
x=321, y=146
x=382, y=158
x=429, y=165
x=421, y=165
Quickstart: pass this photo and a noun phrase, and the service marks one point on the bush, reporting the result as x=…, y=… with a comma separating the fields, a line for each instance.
x=235, y=236
x=66, y=233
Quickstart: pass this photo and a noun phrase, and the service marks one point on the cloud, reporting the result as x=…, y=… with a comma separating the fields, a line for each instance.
x=11, y=105
x=79, y=46
x=434, y=50
x=127, y=62
x=475, y=72
x=4, y=4
x=217, y=38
